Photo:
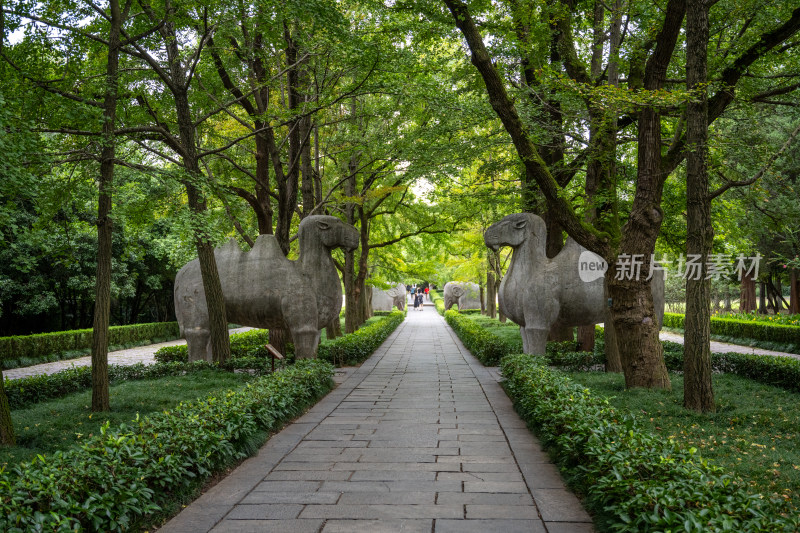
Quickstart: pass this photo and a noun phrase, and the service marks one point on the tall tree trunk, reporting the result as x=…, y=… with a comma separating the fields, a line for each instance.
x=102, y=305
x=762, y=298
x=334, y=329
x=698, y=391
x=7, y=436
x=632, y=308
x=794, y=293
x=262, y=187
x=613, y=358
x=747, y=295
x=491, y=295
x=352, y=290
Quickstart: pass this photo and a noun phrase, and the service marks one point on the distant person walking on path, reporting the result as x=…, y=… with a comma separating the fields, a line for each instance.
x=427, y=290
x=416, y=302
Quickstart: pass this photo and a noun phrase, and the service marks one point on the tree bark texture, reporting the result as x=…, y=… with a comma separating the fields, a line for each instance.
x=491, y=295
x=698, y=391
x=178, y=84
x=7, y=436
x=747, y=295
x=762, y=298
x=794, y=293
x=102, y=303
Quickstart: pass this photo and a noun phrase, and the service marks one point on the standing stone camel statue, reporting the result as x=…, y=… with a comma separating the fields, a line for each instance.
x=264, y=289
x=538, y=292
x=463, y=293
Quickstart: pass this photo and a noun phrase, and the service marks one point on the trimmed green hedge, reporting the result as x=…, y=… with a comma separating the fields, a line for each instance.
x=26, y=391
x=631, y=479
x=249, y=343
x=350, y=349
x=483, y=344
x=117, y=480
x=490, y=349
x=731, y=328
x=355, y=348
x=25, y=350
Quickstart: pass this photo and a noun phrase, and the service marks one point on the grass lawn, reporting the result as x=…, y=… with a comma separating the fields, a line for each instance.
x=58, y=424
x=754, y=435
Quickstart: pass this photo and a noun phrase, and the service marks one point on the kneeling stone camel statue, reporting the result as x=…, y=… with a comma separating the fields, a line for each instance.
x=264, y=289
x=538, y=292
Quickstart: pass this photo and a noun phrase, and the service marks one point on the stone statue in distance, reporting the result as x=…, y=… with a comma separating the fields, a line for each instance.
x=538, y=292
x=462, y=293
x=264, y=289
x=392, y=297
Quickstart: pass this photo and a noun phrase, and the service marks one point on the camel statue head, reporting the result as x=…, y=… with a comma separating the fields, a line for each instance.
x=516, y=229
x=328, y=231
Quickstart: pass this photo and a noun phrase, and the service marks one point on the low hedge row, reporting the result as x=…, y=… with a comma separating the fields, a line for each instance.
x=732, y=328
x=781, y=372
x=25, y=350
x=120, y=478
x=355, y=348
x=483, y=344
x=27, y=391
x=249, y=343
x=490, y=349
x=631, y=479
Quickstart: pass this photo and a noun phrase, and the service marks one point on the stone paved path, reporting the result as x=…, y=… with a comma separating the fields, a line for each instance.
x=419, y=438
x=724, y=347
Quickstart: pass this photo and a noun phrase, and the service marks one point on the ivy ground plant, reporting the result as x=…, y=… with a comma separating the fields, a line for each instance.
x=121, y=478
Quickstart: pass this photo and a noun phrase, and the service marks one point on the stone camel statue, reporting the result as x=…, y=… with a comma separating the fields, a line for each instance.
x=264, y=289
x=467, y=295
x=538, y=292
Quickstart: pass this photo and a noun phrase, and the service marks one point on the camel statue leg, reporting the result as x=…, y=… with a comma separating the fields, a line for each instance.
x=198, y=343
x=534, y=340
x=540, y=315
x=300, y=315
x=306, y=341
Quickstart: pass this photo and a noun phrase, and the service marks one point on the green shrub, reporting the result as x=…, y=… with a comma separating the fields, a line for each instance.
x=438, y=301
x=483, y=344
x=246, y=344
x=762, y=331
x=781, y=372
x=116, y=480
x=354, y=348
x=44, y=347
x=26, y=391
x=633, y=480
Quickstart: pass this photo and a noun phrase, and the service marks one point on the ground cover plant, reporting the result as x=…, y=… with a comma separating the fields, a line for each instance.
x=631, y=478
x=129, y=475
x=754, y=435
x=48, y=426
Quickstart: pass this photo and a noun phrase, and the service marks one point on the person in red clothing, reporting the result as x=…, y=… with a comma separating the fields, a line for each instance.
x=427, y=290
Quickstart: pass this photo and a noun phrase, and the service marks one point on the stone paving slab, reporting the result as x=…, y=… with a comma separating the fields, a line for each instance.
x=420, y=437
